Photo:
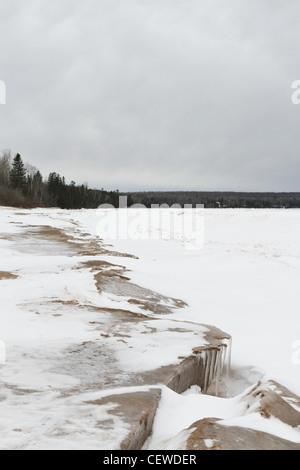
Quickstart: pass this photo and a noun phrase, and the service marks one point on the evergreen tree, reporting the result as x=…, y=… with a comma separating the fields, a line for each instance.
x=18, y=173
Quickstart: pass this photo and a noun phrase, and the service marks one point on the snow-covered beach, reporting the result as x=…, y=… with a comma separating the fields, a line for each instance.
x=244, y=280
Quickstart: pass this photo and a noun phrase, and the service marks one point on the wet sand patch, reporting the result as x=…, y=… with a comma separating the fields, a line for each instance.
x=7, y=275
x=47, y=239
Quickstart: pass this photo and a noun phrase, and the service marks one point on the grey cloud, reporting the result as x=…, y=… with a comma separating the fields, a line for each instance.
x=156, y=94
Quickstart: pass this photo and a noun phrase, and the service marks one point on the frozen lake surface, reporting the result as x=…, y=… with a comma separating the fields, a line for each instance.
x=244, y=280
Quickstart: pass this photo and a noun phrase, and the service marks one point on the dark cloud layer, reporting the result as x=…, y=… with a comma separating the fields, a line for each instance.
x=154, y=94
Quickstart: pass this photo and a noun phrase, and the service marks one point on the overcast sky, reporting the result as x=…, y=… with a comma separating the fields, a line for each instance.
x=154, y=94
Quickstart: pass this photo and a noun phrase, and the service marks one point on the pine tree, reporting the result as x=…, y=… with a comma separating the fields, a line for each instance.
x=18, y=173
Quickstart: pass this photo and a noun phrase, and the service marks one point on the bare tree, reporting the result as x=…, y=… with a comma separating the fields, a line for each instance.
x=31, y=171
x=5, y=167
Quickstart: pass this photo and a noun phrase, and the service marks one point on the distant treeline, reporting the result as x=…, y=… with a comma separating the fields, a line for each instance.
x=22, y=185
x=214, y=199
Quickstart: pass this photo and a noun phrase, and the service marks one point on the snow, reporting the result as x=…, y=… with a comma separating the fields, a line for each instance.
x=149, y=351
x=243, y=278
x=209, y=443
x=192, y=407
